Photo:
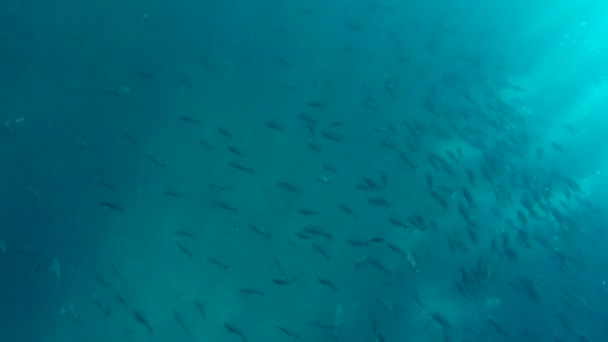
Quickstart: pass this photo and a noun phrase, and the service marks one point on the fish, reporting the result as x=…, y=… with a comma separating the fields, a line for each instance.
x=121, y=299
x=155, y=160
x=105, y=184
x=348, y=210
x=557, y=147
x=284, y=280
x=101, y=280
x=251, y=291
x=180, y=320
x=101, y=304
x=171, y=193
x=322, y=251
x=217, y=262
x=379, y=266
x=234, y=330
x=314, y=147
x=260, y=231
x=112, y=206
x=290, y=187
x=380, y=202
x=183, y=248
x=226, y=206
x=328, y=283
x=308, y=212
x=130, y=139
x=468, y=197
x=318, y=231
x=139, y=317
x=284, y=62
x=236, y=151
x=185, y=233
x=200, y=308
x=332, y=136
x=398, y=223
x=189, y=119
x=275, y=126
x=224, y=133
x=240, y=167
x=288, y=332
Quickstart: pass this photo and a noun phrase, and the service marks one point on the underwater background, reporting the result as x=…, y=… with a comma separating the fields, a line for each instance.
x=326, y=170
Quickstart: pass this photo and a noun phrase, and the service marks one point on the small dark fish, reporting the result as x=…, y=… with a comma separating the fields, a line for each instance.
x=225, y=206
x=207, y=145
x=155, y=160
x=234, y=330
x=287, y=332
x=290, y=187
x=468, y=197
x=284, y=280
x=130, y=139
x=313, y=230
x=180, y=320
x=251, y=291
x=183, y=248
x=471, y=177
x=321, y=324
x=275, y=126
x=379, y=266
x=429, y=180
x=200, y=308
x=241, y=167
x=498, y=328
x=217, y=262
x=118, y=273
x=308, y=212
x=279, y=267
x=102, y=305
x=398, y=223
x=142, y=320
x=101, y=280
x=381, y=202
x=557, y=147
x=374, y=240
x=327, y=283
x=333, y=136
x=105, y=184
x=171, y=193
x=314, y=147
x=260, y=231
x=121, y=299
x=225, y=133
x=329, y=168
x=397, y=250
x=190, y=119
x=348, y=210
x=322, y=251
x=146, y=74
x=108, y=205
x=185, y=233
x=441, y=319
x=284, y=62
x=236, y=151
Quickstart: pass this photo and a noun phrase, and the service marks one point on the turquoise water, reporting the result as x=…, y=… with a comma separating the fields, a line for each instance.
x=313, y=171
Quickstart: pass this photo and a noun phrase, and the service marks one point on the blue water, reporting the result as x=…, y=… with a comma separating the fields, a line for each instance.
x=313, y=171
